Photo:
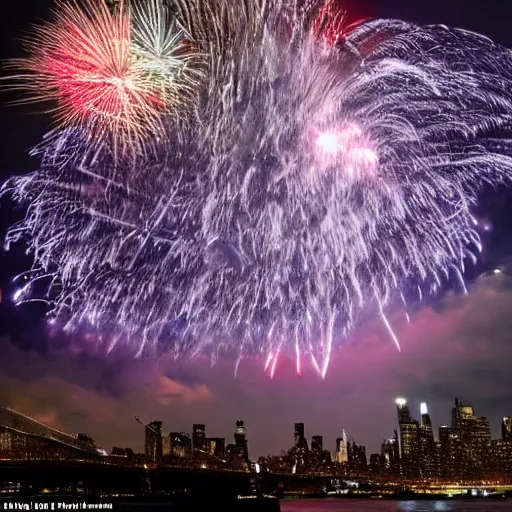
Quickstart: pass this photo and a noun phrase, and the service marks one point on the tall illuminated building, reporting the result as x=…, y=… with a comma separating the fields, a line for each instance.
x=461, y=412
x=426, y=422
x=427, y=446
x=342, y=449
x=475, y=440
x=409, y=431
x=241, y=440
x=451, y=461
x=506, y=428
x=198, y=436
x=154, y=441
x=407, y=428
x=501, y=450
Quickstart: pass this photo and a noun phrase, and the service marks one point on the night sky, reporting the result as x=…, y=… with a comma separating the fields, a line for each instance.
x=457, y=346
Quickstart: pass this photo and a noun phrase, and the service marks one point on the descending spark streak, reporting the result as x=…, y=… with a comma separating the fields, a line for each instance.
x=274, y=365
x=270, y=357
x=319, y=174
x=298, y=356
x=316, y=366
x=237, y=365
x=390, y=330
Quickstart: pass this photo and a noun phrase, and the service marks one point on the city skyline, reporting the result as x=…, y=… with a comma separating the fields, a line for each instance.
x=199, y=436
x=464, y=451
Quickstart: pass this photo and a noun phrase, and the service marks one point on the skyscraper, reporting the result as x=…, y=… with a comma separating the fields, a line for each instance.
x=461, y=412
x=426, y=422
x=427, y=447
x=154, y=441
x=241, y=440
x=216, y=446
x=298, y=433
x=317, y=444
x=475, y=438
x=357, y=460
x=409, y=438
x=408, y=429
x=198, y=436
x=299, y=437
x=402, y=410
x=389, y=452
x=342, y=449
x=451, y=463
x=166, y=444
x=506, y=428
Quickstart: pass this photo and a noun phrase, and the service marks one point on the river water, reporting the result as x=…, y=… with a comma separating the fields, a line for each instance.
x=347, y=505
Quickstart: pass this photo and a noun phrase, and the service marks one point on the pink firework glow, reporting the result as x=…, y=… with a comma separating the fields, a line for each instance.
x=347, y=150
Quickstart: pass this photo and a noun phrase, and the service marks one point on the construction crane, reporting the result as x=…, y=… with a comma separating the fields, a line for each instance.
x=148, y=426
x=138, y=420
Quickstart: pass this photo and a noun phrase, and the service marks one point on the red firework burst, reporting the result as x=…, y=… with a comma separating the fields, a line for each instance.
x=82, y=62
x=331, y=24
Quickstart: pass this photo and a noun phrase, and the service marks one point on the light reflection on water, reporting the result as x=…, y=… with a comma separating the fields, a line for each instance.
x=347, y=505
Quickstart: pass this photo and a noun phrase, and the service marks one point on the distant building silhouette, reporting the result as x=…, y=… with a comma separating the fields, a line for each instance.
x=299, y=436
x=506, y=428
x=154, y=441
x=216, y=446
x=181, y=444
x=357, y=461
x=317, y=444
x=198, y=436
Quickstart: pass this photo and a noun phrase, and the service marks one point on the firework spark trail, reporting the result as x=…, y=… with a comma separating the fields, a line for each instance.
x=316, y=181
x=113, y=72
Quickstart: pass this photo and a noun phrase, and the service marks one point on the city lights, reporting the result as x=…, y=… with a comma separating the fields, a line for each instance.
x=464, y=451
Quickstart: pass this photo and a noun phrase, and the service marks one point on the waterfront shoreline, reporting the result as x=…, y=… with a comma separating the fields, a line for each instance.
x=394, y=497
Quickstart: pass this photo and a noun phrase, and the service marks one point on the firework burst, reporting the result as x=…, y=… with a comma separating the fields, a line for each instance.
x=320, y=178
x=112, y=71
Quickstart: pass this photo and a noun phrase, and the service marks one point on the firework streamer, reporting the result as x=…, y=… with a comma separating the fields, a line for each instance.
x=319, y=179
x=115, y=72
